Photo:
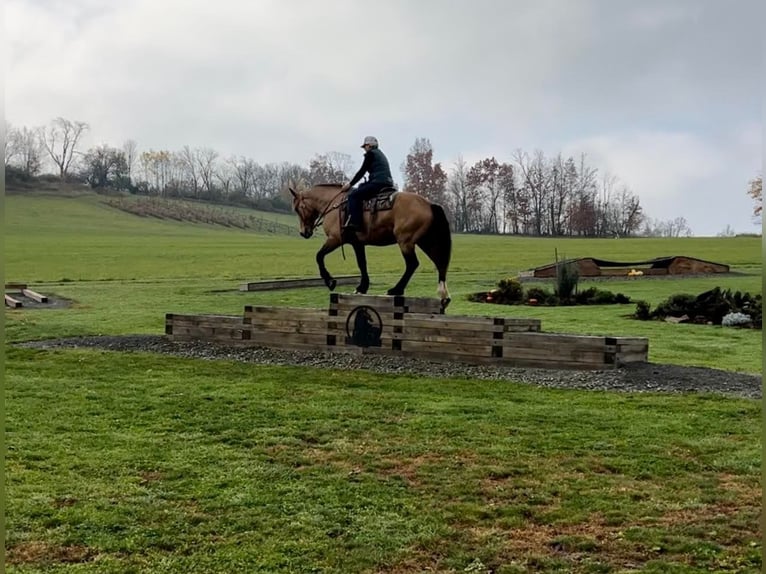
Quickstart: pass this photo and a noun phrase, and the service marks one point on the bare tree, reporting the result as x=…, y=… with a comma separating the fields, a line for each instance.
x=536, y=183
x=224, y=173
x=332, y=167
x=188, y=158
x=60, y=139
x=206, y=165
x=459, y=195
x=29, y=151
x=10, y=142
x=130, y=151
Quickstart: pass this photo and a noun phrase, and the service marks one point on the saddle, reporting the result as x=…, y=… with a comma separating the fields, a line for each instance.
x=381, y=201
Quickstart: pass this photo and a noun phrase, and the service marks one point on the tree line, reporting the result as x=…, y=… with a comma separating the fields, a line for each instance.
x=531, y=194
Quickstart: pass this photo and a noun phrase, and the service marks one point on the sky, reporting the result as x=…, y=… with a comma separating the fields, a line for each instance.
x=666, y=95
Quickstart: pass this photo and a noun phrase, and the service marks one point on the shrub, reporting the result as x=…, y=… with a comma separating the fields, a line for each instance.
x=709, y=307
x=567, y=277
x=595, y=296
x=643, y=311
x=543, y=297
x=508, y=291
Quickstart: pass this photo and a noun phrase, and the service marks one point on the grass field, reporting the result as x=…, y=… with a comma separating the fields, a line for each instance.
x=144, y=463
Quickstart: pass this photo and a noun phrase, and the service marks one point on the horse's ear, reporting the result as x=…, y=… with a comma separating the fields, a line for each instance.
x=293, y=192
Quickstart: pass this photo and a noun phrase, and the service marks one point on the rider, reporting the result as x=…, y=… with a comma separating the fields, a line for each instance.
x=376, y=165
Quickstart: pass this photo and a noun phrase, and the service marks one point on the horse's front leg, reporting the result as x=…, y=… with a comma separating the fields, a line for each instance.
x=328, y=247
x=361, y=261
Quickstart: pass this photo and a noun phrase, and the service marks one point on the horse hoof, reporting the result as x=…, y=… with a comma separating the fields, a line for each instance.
x=445, y=302
x=331, y=284
x=360, y=291
x=394, y=292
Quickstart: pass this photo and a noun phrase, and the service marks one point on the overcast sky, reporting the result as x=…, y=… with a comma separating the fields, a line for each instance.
x=664, y=94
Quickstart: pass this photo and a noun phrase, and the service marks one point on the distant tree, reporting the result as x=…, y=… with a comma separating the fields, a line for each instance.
x=727, y=232
x=10, y=143
x=677, y=227
x=755, y=190
x=331, y=167
x=206, y=167
x=60, y=139
x=536, y=184
x=463, y=199
x=421, y=175
x=28, y=151
x=105, y=167
x=484, y=176
x=130, y=149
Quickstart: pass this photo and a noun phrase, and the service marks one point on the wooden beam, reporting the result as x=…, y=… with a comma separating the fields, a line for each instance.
x=295, y=283
x=34, y=295
x=11, y=302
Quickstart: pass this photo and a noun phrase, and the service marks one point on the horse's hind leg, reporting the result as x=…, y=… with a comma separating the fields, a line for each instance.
x=411, y=264
x=361, y=261
x=442, y=262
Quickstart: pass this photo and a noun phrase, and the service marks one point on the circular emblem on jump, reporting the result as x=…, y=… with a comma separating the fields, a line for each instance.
x=363, y=327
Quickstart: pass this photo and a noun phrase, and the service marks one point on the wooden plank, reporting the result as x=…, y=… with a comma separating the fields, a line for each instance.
x=34, y=295
x=565, y=355
x=11, y=302
x=443, y=357
x=448, y=348
x=412, y=334
x=183, y=332
x=204, y=320
x=403, y=304
x=286, y=312
x=553, y=341
x=280, y=339
x=16, y=286
x=295, y=283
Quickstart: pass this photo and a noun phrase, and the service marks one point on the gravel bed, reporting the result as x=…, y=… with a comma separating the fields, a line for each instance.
x=640, y=377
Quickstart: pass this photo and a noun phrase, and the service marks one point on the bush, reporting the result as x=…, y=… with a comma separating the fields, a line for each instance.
x=542, y=296
x=643, y=311
x=595, y=296
x=508, y=291
x=708, y=307
x=567, y=277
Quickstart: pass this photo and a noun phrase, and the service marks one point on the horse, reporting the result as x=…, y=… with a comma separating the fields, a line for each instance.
x=410, y=221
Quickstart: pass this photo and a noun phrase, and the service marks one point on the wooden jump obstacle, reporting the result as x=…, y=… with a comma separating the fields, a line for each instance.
x=11, y=301
x=408, y=327
x=293, y=283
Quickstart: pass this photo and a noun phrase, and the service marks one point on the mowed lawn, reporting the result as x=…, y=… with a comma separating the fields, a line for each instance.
x=143, y=463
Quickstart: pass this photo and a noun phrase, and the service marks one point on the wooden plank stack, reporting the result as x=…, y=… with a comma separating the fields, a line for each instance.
x=216, y=328
x=285, y=327
x=411, y=327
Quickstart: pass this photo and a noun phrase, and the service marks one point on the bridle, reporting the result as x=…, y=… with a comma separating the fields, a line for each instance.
x=330, y=207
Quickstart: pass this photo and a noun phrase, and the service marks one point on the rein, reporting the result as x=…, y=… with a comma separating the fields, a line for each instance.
x=328, y=209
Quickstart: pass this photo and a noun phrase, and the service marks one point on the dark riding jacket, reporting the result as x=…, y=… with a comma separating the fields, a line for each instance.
x=376, y=164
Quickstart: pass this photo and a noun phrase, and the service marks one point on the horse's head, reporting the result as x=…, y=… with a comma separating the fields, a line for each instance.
x=307, y=214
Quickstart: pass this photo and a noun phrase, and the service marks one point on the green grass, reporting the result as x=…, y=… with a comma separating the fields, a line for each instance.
x=145, y=463
x=125, y=273
x=128, y=463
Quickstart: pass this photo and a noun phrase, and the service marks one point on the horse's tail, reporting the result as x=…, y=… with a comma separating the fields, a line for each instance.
x=437, y=241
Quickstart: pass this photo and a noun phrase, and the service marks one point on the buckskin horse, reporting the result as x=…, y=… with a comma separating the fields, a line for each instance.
x=391, y=217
